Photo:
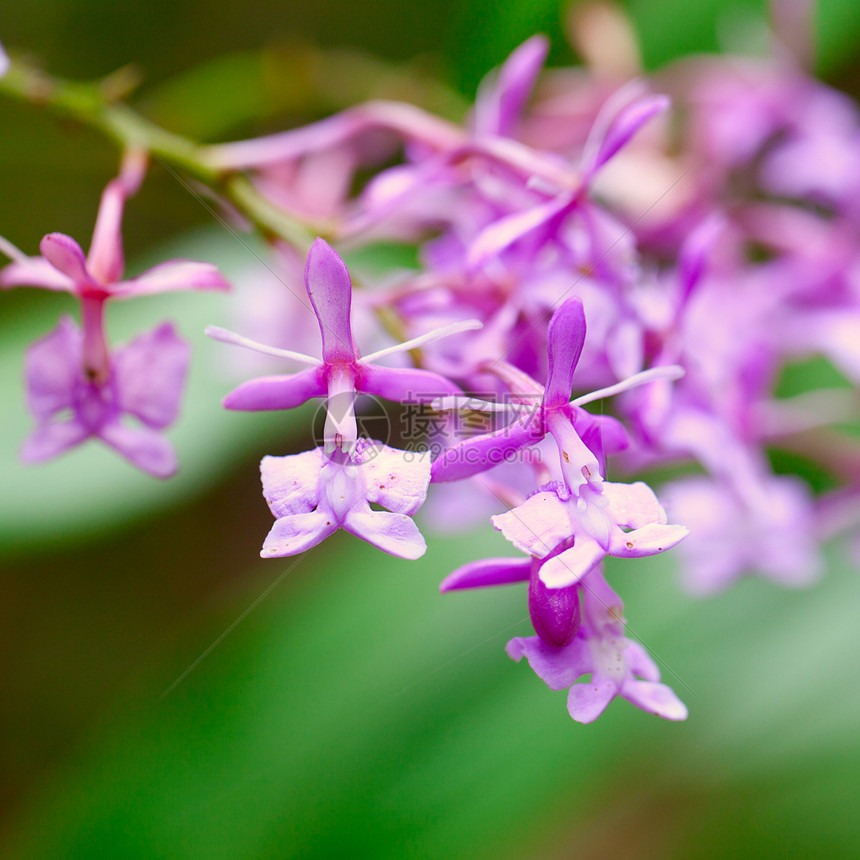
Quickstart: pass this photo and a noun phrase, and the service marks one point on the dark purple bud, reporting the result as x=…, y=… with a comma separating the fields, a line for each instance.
x=554, y=612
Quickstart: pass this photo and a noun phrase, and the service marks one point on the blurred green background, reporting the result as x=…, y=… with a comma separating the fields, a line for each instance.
x=343, y=708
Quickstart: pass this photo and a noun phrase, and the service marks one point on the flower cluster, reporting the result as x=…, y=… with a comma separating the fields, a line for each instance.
x=672, y=246
x=689, y=222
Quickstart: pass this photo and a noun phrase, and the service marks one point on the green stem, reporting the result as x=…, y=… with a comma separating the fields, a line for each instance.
x=88, y=104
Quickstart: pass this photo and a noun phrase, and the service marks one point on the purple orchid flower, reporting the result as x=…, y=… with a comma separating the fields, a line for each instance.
x=618, y=667
x=315, y=493
x=74, y=369
x=568, y=526
x=586, y=436
x=4, y=62
x=144, y=381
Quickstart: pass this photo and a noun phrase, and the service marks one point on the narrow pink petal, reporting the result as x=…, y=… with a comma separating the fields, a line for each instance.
x=633, y=505
x=65, y=255
x=105, y=259
x=403, y=384
x=4, y=62
x=150, y=375
x=395, y=534
x=277, y=392
x=570, y=566
x=487, y=572
x=395, y=479
x=695, y=250
x=291, y=484
x=171, y=276
x=298, y=532
x=146, y=449
x=587, y=701
x=565, y=337
x=330, y=291
x=501, y=100
x=537, y=526
x=52, y=439
x=53, y=369
x=648, y=540
x=626, y=123
x=558, y=668
x=35, y=272
x=655, y=699
x=483, y=452
x=502, y=233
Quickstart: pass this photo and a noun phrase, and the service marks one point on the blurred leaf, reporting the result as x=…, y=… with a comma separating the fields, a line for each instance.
x=485, y=32
x=366, y=716
x=837, y=31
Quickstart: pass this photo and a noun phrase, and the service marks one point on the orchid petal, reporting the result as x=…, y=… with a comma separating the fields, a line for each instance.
x=693, y=256
x=105, y=259
x=569, y=567
x=487, y=572
x=291, y=484
x=633, y=505
x=296, y=533
x=330, y=291
x=565, y=337
x=150, y=374
x=393, y=533
x=4, y=62
x=170, y=276
x=66, y=256
x=146, y=449
x=655, y=699
x=537, y=526
x=558, y=668
x=640, y=663
x=623, y=127
x=483, y=452
x=52, y=439
x=394, y=480
x=502, y=233
x=403, y=384
x=588, y=700
x=53, y=369
x=277, y=392
x=501, y=99
x=602, y=435
x=35, y=272
x=647, y=540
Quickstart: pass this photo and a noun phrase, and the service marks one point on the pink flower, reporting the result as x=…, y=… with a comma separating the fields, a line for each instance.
x=74, y=369
x=315, y=493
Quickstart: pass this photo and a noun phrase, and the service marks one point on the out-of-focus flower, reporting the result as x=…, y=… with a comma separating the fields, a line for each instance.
x=144, y=381
x=767, y=525
x=75, y=369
